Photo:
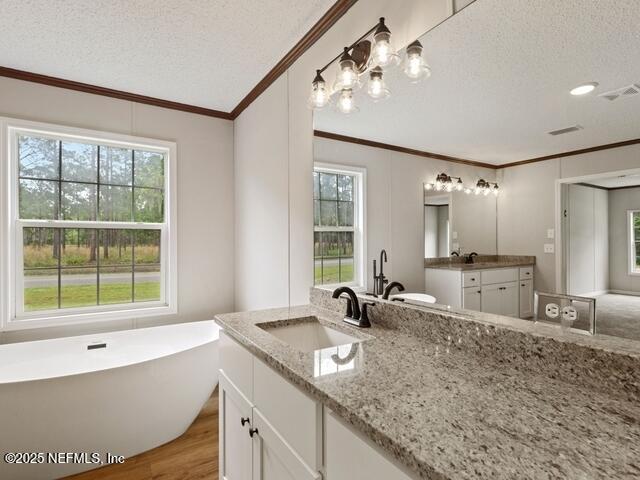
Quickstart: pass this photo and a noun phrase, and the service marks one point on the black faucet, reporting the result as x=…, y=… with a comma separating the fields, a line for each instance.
x=469, y=258
x=379, y=281
x=455, y=253
x=391, y=286
x=354, y=316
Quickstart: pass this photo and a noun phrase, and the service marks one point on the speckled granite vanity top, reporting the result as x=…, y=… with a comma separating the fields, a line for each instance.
x=480, y=262
x=453, y=398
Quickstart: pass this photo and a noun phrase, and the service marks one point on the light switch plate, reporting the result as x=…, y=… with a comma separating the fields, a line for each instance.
x=454, y=235
x=551, y=233
x=549, y=248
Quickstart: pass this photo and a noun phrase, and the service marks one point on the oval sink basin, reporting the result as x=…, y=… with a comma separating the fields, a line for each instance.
x=421, y=299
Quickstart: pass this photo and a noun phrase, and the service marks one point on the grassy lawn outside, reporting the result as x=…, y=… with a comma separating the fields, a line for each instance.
x=332, y=274
x=46, y=298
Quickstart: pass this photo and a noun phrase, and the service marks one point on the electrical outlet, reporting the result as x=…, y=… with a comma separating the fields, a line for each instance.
x=552, y=310
x=549, y=248
x=551, y=233
x=569, y=314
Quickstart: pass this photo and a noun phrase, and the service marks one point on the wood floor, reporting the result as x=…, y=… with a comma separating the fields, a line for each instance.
x=192, y=456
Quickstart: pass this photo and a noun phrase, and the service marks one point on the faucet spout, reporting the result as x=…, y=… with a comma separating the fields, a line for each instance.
x=352, y=298
x=390, y=287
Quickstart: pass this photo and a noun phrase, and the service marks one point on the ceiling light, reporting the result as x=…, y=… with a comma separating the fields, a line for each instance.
x=377, y=88
x=346, y=103
x=383, y=53
x=414, y=65
x=584, y=89
x=319, y=93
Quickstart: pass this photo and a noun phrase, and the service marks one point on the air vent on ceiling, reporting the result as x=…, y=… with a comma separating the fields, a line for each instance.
x=627, y=91
x=561, y=131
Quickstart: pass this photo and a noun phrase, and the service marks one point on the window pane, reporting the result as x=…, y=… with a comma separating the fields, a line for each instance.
x=39, y=157
x=328, y=186
x=40, y=248
x=345, y=188
x=78, y=247
x=78, y=201
x=149, y=205
x=78, y=287
x=345, y=214
x=147, y=283
x=331, y=270
x=40, y=290
x=147, y=247
x=317, y=273
x=116, y=247
x=346, y=244
x=79, y=162
x=149, y=169
x=346, y=269
x=38, y=200
x=328, y=213
x=316, y=212
x=116, y=284
x=116, y=166
x=115, y=204
x=637, y=267
x=316, y=185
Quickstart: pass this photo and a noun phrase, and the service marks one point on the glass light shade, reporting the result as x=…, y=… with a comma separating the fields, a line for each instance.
x=496, y=190
x=377, y=88
x=467, y=191
x=346, y=103
x=383, y=54
x=428, y=186
x=320, y=95
x=347, y=77
x=438, y=185
x=459, y=185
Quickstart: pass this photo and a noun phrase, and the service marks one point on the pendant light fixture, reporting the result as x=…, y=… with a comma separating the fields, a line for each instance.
x=364, y=56
x=348, y=77
x=383, y=53
x=414, y=65
x=320, y=95
x=377, y=88
x=346, y=103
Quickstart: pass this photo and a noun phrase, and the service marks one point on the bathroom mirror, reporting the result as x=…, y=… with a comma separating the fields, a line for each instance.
x=522, y=146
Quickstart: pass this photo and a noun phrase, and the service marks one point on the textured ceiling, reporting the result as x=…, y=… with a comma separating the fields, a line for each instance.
x=616, y=182
x=208, y=53
x=502, y=71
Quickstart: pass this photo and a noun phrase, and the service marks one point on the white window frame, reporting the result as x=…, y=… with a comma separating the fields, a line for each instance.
x=11, y=278
x=359, y=220
x=631, y=245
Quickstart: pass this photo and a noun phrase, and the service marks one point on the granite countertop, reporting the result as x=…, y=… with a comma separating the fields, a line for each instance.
x=465, y=405
x=481, y=262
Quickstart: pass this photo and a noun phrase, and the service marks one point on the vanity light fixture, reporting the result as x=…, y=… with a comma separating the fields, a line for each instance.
x=584, y=89
x=361, y=57
x=485, y=188
x=377, y=87
x=445, y=182
x=414, y=65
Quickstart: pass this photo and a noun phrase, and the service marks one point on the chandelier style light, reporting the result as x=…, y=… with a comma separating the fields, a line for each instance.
x=446, y=183
x=372, y=53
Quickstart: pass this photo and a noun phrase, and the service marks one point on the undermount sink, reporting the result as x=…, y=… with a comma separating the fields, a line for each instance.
x=308, y=334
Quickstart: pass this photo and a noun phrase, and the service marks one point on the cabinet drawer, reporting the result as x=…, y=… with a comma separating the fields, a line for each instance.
x=526, y=273
x=237, y=364
x=296, y=417
x=502, y=275
x=471, y=279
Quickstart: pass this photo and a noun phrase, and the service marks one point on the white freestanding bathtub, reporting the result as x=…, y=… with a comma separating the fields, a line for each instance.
x=143, y=389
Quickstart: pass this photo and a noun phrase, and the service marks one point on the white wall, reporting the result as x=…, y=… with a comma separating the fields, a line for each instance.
x=205, y=190
x=395, y=204
x=473, y=218
x=588, y=232
x=443, y=231
x=620, y=201
x=526, y=205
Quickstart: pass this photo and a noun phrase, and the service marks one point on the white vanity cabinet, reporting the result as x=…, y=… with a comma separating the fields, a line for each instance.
x=271, y=430
x=254, y=445
x=503, y=291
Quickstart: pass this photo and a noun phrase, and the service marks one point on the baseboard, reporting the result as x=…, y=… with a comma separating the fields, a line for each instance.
x=625, y=292
x=595, y=294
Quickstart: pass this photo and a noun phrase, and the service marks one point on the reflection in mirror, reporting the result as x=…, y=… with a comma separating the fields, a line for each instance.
x=545, y=147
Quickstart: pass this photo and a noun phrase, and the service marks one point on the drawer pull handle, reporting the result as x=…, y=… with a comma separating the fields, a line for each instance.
x=473, y=279
x=252, y=432
x=244, y=420
x=479, y=291
x=523, y=285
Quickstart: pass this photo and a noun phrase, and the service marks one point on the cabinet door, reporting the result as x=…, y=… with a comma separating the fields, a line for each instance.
x=273, y=457
x=526, y=298
x=510, y=299
x=471, y=298
x=235, y=442
x=491, y=299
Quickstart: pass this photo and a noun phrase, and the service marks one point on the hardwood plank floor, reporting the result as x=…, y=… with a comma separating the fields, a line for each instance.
x=193, y=456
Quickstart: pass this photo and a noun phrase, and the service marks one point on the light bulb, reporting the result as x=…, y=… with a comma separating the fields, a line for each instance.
x=347, y=77
x=414, y=66
x=346, y=103
x=428, y=186
x=449, y=187
x=438, y=185
x=319, y=93
x=477, y=191
x=383, y=54
x=467, y=191
x=496, y=190
x=377, y=87
x=459, y=185
x=486, y=191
